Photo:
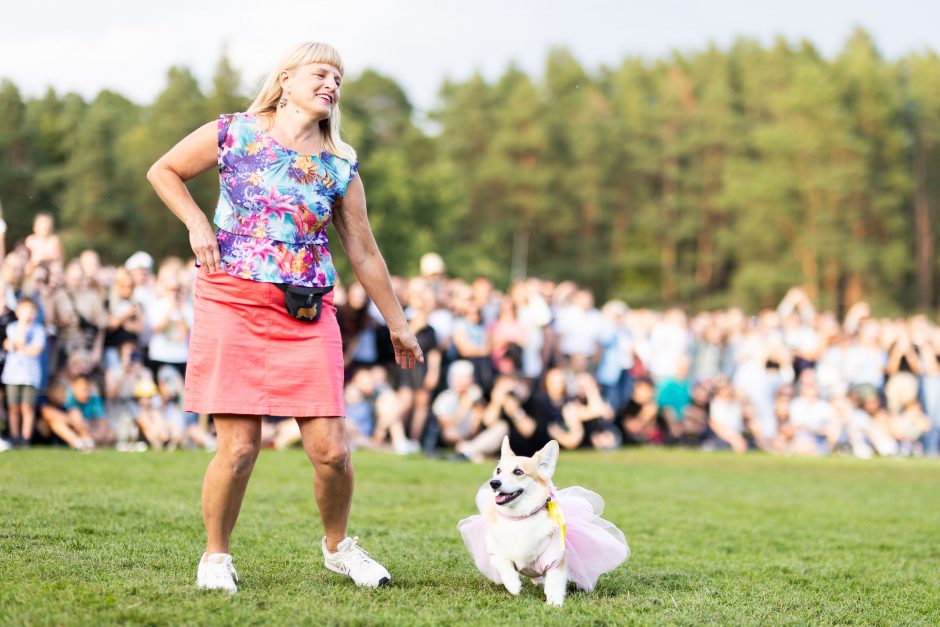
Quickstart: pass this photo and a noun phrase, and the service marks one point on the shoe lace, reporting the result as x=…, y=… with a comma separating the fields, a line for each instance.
x=356, y=554
x=221, y=573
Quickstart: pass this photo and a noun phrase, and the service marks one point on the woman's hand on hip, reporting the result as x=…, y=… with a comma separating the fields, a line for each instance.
x=205, y=245
x=407, y=351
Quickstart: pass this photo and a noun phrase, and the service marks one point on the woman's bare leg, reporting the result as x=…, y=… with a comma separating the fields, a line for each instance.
x=325, y=442
x=239, y=440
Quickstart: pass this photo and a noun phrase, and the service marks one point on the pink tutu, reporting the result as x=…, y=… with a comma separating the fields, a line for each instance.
x=593, y=546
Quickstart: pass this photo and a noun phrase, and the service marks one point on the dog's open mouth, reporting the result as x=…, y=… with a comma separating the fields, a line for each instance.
x=505, y=497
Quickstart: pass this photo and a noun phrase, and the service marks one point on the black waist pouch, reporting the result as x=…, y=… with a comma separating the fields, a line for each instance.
x=304, y=303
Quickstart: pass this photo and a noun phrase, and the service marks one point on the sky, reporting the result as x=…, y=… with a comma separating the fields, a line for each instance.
x=128, y=45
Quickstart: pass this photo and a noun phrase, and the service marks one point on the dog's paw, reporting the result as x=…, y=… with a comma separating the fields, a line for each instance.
x=554, y=600
x=514, y=586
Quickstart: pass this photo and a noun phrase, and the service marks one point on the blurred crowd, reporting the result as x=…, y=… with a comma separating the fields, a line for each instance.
x=95, y=355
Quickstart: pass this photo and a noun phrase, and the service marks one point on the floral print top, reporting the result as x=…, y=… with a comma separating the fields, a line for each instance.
x=274, y=206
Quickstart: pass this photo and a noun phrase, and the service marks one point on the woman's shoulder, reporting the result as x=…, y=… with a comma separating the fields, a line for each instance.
x=239, y=123
x=343, y=169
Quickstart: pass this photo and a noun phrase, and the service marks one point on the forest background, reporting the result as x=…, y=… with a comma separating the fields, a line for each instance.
x=699, y=179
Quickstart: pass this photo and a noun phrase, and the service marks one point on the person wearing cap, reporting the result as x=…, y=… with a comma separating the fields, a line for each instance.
x=265, y=340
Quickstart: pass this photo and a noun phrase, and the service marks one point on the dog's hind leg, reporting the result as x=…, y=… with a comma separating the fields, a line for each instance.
x=556, y=584
x=507, y=573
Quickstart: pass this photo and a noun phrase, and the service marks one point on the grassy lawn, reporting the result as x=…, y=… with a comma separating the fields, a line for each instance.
x=112, y=538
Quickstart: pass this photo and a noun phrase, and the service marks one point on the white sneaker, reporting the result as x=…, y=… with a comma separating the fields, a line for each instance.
x=355, y=563
x=216, y=572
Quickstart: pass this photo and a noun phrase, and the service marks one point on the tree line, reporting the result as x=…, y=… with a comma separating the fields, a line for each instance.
x=700, y=179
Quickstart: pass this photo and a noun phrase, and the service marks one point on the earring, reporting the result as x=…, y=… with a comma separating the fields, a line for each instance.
x=282, y=102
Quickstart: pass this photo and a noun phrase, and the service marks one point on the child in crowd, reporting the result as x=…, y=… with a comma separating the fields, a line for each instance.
x=84, y=404
x=22, y=371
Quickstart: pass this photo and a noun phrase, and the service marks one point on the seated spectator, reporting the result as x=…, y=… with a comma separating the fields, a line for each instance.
x=55, y=419
x=504, y=415
x=185, y=427
x=84, y=405
x=639, y=418
x=374, y=416
x=908, y=420
x=122, y=407
x=588, y=419
x=458, y=408
x=868, y=428
x=782, y=440
x=691, y=430
x=814, y=421
x=22, y=370
x=674, y=395
x=726, y=420
x=158, y=433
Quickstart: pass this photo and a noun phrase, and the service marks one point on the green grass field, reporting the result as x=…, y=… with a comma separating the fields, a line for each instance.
x=112, y=538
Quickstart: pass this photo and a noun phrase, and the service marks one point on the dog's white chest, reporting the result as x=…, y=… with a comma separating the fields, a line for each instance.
x=522, y=542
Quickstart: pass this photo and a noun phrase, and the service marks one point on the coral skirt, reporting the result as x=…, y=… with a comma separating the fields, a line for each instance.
x=248, y=356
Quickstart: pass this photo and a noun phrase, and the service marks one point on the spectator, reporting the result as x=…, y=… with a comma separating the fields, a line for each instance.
x=22, y=370
x=69, y=426
x=458, y=408
x=588, y=419
x=815, y=425
x=726, y=420
x=868, y=429
x=125, y=316
x=578, y=325
x=908, y=421
x=79, y=317
x=185, y=427
x=639, y=418
x=121, y=380
x=84, y=405
x=170, y=319
x=43, y=244
x=616, y=354
x=415, y=386
x=691, y=430
x=472, y=344
x=674, y=396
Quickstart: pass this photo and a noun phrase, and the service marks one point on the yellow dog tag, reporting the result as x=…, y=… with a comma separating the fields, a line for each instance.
x=554, y=512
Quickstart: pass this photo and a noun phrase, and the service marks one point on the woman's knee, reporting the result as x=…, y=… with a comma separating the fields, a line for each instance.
x=240, y=455
x=334, y=454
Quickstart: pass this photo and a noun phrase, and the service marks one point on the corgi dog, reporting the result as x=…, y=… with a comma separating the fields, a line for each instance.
x=523, y=539
x=526, y=528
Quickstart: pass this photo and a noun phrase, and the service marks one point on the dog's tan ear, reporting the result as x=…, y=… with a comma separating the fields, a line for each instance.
x=548, y=458
x=505, y=451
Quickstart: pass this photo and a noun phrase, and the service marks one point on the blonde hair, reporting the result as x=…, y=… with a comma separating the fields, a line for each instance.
x=265, y=103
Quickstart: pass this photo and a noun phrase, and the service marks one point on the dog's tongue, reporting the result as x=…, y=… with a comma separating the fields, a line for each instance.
x=502, y=497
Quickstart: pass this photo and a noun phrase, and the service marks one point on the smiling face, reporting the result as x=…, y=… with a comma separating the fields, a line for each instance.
x=522, y=484
x=313, y=89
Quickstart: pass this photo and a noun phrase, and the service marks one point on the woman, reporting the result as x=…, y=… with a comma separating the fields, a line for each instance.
x=285, y=174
